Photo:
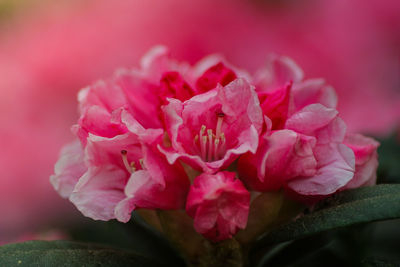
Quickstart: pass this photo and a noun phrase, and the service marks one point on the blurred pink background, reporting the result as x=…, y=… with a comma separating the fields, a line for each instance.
x=48, y=51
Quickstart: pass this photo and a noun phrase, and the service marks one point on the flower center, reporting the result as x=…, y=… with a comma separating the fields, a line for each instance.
x=130, y=166
x=211, y=146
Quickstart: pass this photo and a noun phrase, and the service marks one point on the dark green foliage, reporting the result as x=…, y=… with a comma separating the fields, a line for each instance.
x=66, y=253
x=389, y=160
x=350, y=207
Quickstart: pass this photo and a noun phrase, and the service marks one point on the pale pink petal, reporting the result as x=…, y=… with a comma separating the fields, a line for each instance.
x=124, y=209
x=283, y=155
x=314, y=91
x=279, y=71
x=366, y=156
x=158, y=61
x=311, y=118
x=100, y=151
x=336, y=165
x=157, y=186
x=99, y=191
x=147, y=136
x=68, y=169
x=334, y=132
x=141, y=98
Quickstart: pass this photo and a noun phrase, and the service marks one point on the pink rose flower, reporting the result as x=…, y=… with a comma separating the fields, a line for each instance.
x=219, y=204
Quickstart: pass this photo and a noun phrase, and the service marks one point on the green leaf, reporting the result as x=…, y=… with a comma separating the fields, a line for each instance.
x=134, y=235
x=389, y=159
x=381, y=202
x=66, y=253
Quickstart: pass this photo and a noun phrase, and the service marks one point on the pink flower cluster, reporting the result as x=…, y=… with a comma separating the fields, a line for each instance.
x=172, y=136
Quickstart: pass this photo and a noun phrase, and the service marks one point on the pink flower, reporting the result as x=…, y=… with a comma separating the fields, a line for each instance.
x=219, y=204
x=364, y=149
x=118, y=167
x=307, y=156
x=139, y=91
x=115, y=169
x=210, y=130
x=103, y=35
x=282, y=90
x=136, y=128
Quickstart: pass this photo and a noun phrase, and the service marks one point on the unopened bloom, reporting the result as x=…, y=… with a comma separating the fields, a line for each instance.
x=219, y=204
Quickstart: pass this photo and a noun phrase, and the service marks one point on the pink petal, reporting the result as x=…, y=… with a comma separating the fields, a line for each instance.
x=219, y=204
x=242, y=123
x=335, y=169
x=68, y=169
x=314, y=91
x=311, y=118
x=99, y=191
x=283, y=155
x=217, y=74
x=157, y=186
x=366, y=156
x=279, y=72
x=276, y=105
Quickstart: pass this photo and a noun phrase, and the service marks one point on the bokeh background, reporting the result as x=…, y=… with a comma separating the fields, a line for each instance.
x=51, y=49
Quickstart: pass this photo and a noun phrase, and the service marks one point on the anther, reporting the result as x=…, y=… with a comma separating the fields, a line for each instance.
x=133, y=166
x=202, y=130
x=210, y=144
x=216, y=152
x=142, y=164
x=125, y=161
x=203, y=148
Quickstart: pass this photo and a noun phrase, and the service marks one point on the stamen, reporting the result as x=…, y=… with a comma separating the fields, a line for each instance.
x=210, y=144
x=142, y=164
x=222, y=147
x=133, y=166
x=216, y=154
x=202, y=130
x=125, y=160
x=203, y=142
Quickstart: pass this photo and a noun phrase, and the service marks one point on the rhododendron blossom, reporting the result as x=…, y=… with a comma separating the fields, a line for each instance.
x=205, y=137
x=219, y=204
